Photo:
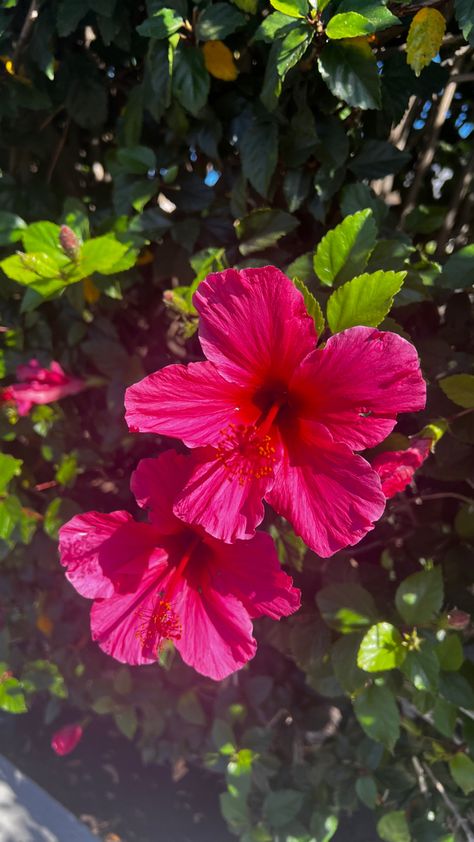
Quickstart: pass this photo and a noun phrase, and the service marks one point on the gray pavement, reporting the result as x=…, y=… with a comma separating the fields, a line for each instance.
x=29, y=814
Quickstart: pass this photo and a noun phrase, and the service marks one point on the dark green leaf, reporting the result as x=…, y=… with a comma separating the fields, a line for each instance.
x=450, y=653
x=259, y=151
x=218, y=21
x=350, y=71
x=136, y=159
x=375, y=11
x=263, y=228
x=346, y=607
x=462, y=771
x=378, y=158
x=366, y=789
x=378, y=714
x=444, y=717
x=344, y=662
x=421, y=667
x=419, y=597
x=282, y=805
x=11, y=228
x=464, y=11
x=190, y=708
x=161, y=25
x=191, y=81
x=223, y=737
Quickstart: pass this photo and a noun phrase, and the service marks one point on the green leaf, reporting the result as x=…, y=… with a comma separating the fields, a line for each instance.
x=12, y=698
x=378, y=158
x=346, y=607
x=459, y=388
x=421, y=667
x=366, y=790
x=223, y=737
x=11, y=228
x=357, y=196
x=313, y=307
x=44, y=237
x=66, y=471
x=450, y=653
x=127, y=722
x=273, y=26
x=444, y=717
x=424, y=38
x=162, y=24
x=137, y=159
x=263, y=228
x=191, y=80
x=190, y=708
x=393, y=827
x=344, y=661
x=349, y=69
x=218, y=21
x=344, y=251
x=281, y=806
x=348, y=25
x=248, y=6
x=323, y=826
x=419, y=597
x=9, y=468
x=101, y=255
x=235, y=811
x=38, y=271
x=462, y=770
x=377, y=14
x=381, y=649
x=259, y=152
x=365, y=300
x=378, y=714
x=70, y=13
x=293, y=8
x=464, y=11
x=455, y=688
x=292, y=48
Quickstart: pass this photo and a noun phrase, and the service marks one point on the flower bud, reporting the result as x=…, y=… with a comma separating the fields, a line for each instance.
x=458, y=619
x=69, y=242
x=66, y=739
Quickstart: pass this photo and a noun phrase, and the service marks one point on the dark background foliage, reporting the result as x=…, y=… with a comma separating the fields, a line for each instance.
x=114, y=120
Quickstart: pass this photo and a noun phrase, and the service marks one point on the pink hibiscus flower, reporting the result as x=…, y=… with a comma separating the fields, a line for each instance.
x=40, y=385
x=273, y=417
x=163, y=580
x=66, y=739
x=396, y=468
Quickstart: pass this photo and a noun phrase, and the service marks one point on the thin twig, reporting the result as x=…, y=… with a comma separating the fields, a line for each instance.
x=31, y=16
x=461, y=822
x=441, y=495
x=58, y=150
x=461, y=189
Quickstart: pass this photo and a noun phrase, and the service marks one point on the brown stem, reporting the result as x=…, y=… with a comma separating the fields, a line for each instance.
x=460, y=821
x=31, y=16
x=442, y=495
x=57, y=151
x=461, y=190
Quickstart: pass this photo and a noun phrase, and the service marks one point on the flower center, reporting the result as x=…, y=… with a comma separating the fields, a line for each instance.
x=163, y=623
x=246, y=451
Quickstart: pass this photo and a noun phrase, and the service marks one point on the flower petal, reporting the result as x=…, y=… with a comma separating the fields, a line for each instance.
x=252, y=572
x=254, y=325
x=104, y=553
x=221, y=500
x=119, y=624
x=396, y=468
x=217, y=635
x=193, y=403
x=156, y=482
x=358, y=384
x=331, y=496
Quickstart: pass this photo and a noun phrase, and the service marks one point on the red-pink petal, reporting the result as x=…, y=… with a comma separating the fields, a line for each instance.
x=66, y=739
x=331, y=496
x=119, y=624
x=217, y=498
x=253, y=324
x=217, y=631
x=193, y=403
x=156, y=483
x=396, y=468
x=358, y=384
x=251, y=571
x=104, y=553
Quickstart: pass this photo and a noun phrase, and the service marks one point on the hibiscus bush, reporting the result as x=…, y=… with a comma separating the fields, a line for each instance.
x=237, y=508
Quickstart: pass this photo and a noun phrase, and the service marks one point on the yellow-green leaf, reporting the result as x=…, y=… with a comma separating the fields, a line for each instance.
x=459, y=388
x=424, y=38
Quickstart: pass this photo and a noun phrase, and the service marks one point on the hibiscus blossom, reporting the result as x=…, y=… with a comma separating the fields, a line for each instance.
x=66, y=739
x=40, y=385
x=275, y=418
x=396, y=468
x=165, y=581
